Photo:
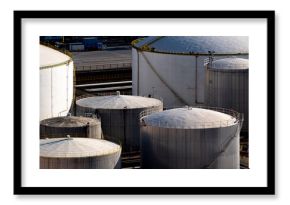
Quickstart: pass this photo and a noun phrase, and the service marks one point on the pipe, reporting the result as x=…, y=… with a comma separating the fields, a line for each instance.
x=196, y=90
x=138, y=75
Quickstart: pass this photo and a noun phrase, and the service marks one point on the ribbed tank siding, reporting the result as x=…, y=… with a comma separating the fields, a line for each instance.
x=99, y=162
x=229, y=89
x=169, y=148
x=90, y=131
x=120, y=125
x=79, y=127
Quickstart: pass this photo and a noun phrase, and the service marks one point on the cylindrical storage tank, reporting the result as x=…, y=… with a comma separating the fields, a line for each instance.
x=174, y=65
x=56, y=83
x=190, y=138
x=59, y=127
x=227, y=86
x=79, y=153
x=120, y=116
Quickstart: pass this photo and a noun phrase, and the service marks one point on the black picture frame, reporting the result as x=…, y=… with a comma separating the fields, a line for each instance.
x=268, y=190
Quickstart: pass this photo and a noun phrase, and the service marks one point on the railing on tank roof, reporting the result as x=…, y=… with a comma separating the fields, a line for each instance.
x=148, y=112
x=228, y=66
x=238, y=117
x=208, y=60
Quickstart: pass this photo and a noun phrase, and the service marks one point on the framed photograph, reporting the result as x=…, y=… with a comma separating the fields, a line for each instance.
x=144, y=102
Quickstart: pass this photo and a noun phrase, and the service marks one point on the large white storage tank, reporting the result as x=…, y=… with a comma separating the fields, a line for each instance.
x=79, y=153
x=120, y=116
x=172, y=67
x=59, y=127
x=56, y=83
x=227, y=86
x=190, y=138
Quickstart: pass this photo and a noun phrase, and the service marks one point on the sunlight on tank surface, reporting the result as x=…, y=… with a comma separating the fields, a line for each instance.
x=56, y=83
x=193, y=138
x=79, y=153
x=172, y=67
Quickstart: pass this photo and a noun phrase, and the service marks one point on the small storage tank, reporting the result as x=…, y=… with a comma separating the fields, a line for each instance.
x=190, y=138
x=56, y=83
x=120, y=116
x=227, y=86
x=172, y=67
x=79, y=153
x=60, y=127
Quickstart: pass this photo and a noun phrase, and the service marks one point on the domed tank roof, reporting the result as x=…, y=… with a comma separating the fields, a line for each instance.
x=69, y=121
x=76, y=147
x=194, y=44
x=118, y=102
x=189, y=118
x=230, y=64
x=50, y=57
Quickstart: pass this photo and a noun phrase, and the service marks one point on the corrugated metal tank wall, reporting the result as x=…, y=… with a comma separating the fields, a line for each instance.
x=229, y=88
x=178, y=139
x=100, y=162
x=120, y=125
x=79, y=153
x=60, y=127
x=165, y=148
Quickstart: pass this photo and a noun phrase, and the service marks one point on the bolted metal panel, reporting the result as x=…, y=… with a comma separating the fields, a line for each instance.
x=60, y=127
x=79, y=153
x=228, y=88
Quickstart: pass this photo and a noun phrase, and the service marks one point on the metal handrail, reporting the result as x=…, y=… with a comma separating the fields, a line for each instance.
x=208, y=62
x=148, y=112
x=235, y=115
x=228, y=66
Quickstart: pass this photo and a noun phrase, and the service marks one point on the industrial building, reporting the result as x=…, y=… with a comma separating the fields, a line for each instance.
x=190, y=138
x=166, y=102
x=79, y=153
x=120, y=116
x=103, y=72
x=175, y=65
